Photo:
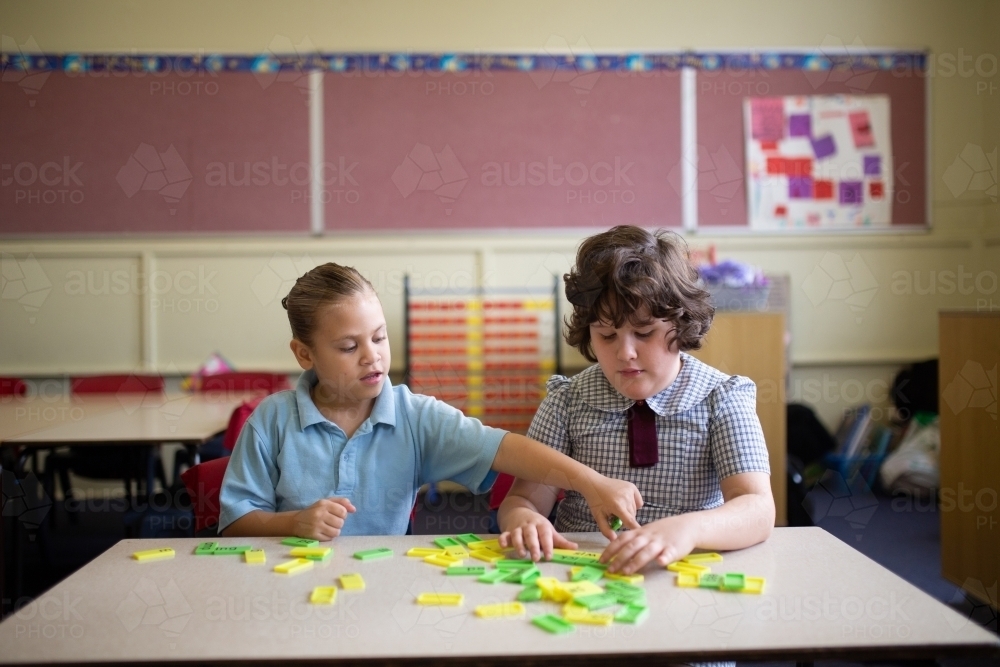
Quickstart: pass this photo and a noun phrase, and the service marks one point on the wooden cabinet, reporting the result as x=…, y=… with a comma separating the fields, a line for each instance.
x=753, y=344
x=970, y=451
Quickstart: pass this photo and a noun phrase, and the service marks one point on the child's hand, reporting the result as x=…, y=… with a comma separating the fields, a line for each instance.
x=666, y=540
x=323, y=519
x=613, y=496
x=534, y=534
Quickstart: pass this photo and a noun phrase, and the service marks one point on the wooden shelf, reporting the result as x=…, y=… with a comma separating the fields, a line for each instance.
x=753, y=344
x=970, y=451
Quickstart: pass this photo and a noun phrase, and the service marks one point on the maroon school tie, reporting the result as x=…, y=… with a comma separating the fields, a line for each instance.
x=643, y=449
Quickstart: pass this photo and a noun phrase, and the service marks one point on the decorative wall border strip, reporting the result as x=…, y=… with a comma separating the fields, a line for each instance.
x=401, y=63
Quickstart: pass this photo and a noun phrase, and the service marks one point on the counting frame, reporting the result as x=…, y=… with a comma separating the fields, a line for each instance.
x=486, y=351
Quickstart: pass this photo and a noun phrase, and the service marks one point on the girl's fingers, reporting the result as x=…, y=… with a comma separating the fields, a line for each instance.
x=613, y=549
x=629, y=522
x=517, y=541
x=560, y=542
x=336, y=509
x=531, y=541
x=602, y=525
x=641, y=557
x=626, y=562
x=545, y=542
x=626, y=550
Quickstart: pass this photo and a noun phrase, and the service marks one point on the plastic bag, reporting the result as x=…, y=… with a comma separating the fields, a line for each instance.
x=914, y=468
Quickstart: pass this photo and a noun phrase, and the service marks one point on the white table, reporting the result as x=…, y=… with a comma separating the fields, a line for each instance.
x=22, y=415
x=186, y=418
x=150, y=419
x=823, y=600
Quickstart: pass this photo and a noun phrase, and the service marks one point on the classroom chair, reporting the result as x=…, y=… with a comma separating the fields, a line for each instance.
x=501, y=487
x=204, y=484
x=244, y=382
x=15, y=387
x=263, y=384
x=12, y=387
x=129, y=462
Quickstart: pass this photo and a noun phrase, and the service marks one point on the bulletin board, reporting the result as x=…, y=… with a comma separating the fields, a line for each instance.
x=504, y=149
x=726, y=81
x=326, y=143
x=95, y=153
x=818, y=161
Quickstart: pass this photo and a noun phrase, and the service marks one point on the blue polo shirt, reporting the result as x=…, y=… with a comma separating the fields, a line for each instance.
x=289, y=455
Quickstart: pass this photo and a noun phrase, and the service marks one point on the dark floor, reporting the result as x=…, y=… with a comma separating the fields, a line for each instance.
x=901, y=534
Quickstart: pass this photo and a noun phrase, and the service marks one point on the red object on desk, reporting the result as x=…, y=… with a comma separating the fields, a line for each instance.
x=204, y=484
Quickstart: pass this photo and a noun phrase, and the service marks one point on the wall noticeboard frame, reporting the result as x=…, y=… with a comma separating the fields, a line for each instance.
x=433, y=151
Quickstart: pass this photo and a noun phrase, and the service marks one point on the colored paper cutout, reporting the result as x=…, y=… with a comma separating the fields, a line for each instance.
x=876, y=190
x=800, y=187
x=767, y=118
x=823, y=189
x=851, y=193
x=789, y=166
x=861, y=129
x=824, y=147
x=873, y=165
x=800, y=125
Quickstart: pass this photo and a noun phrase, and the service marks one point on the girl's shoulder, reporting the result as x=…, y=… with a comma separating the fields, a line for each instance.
x=270, y=409
x=589, y=387
x=707, y=383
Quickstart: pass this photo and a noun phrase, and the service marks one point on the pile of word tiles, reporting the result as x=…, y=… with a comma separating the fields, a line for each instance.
x=590, y=594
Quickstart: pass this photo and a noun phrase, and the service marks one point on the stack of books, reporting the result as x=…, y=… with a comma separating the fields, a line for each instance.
x=861, y=437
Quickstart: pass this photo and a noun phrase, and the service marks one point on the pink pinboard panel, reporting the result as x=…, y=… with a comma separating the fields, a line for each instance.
x=502, y=149
x=722, y=191
x=144, y=153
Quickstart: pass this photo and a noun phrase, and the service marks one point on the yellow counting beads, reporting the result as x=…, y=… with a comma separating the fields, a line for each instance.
x=323, y=595
x=500, y=610
x=684, y=566
x=423, y=552
x=153, y=554
x=255, y=557
x=294, y=566
x=702, y=558
x=577, y=614
x=352, y=582
x=440, y=599
x=627, y=578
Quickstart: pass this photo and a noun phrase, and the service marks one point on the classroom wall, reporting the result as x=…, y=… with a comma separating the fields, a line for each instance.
x=211, y=293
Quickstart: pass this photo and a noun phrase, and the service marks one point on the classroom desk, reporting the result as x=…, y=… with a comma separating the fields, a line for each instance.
x=189, y=419
x=823, y=600
x=19, y=415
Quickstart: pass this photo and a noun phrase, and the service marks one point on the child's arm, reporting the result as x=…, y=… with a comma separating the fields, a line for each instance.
x=532, y=461
x=320, y=521
x=745, y=518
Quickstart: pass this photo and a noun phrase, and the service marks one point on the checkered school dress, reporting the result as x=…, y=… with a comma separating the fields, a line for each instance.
x=706, y=424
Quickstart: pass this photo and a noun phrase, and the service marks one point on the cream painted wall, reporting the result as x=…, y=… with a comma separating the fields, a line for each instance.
x=85, y=327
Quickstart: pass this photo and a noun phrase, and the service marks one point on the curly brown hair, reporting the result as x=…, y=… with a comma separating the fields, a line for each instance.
x=629, y=273
x=325, y=284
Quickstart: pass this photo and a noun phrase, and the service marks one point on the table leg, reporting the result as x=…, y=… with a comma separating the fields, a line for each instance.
x=15, y=546
x=3, y=548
